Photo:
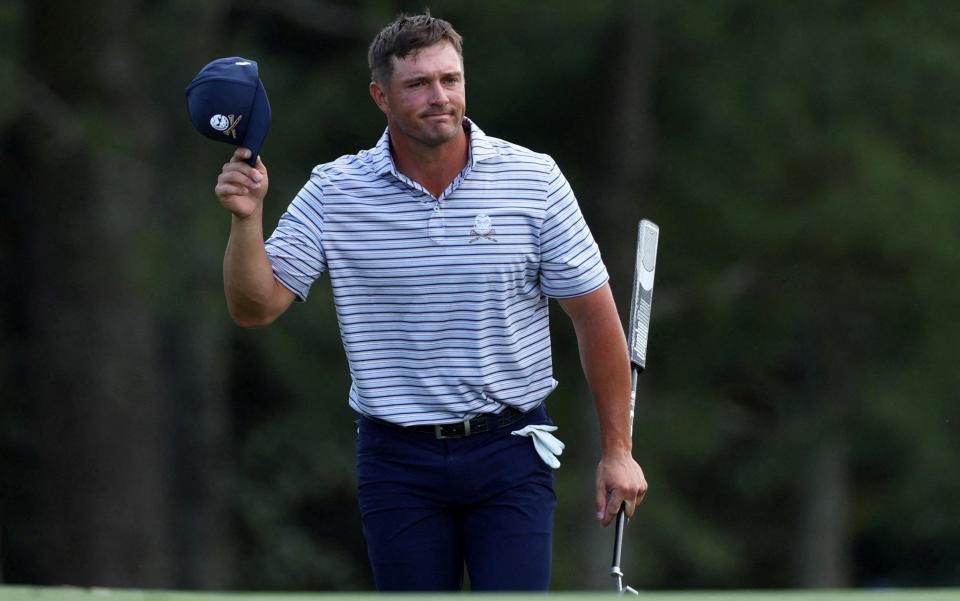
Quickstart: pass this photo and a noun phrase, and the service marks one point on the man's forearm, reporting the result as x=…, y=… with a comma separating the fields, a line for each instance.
x=603, y=354
x=248, y=280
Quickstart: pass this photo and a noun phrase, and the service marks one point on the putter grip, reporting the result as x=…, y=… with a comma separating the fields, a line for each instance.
x=648, y=235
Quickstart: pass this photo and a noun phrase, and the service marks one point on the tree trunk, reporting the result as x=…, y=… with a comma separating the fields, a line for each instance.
x=822, y=557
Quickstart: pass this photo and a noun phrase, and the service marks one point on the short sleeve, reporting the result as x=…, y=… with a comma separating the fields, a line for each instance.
x=570, y=263
x=294, y=249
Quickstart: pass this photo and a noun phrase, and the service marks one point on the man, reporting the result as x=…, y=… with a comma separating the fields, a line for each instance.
x=443, y=245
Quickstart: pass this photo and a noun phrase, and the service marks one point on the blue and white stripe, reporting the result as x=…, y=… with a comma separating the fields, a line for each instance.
x=443, y=315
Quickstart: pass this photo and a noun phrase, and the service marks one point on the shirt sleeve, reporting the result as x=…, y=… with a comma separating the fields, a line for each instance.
x=570, y=263
x=294, y=249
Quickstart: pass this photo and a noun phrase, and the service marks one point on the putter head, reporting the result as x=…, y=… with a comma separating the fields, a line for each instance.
x=622, y=590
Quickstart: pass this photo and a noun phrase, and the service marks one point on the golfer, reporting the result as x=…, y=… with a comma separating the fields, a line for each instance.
x=443, y=246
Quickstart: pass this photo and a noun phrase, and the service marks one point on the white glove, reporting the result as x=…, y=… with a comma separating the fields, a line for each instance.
x=547, y=445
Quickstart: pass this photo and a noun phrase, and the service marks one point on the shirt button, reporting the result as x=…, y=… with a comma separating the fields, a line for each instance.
x=436, y=209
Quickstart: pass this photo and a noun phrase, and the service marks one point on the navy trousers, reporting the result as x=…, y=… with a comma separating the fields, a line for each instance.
x=431, y=507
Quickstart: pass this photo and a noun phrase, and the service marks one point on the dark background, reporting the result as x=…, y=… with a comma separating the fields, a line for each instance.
x=798, y=422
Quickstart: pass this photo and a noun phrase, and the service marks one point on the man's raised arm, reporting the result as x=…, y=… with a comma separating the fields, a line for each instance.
x=254, y=297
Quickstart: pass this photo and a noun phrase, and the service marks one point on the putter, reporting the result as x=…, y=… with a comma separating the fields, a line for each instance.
x=640, y=304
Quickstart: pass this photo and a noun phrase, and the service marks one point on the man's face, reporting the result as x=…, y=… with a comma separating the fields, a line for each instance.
x=425, y=98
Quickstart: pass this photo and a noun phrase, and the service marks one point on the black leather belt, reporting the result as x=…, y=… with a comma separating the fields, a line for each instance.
x=484, y=422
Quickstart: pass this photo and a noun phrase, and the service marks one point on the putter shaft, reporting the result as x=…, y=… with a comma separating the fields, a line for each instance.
x=615, y=570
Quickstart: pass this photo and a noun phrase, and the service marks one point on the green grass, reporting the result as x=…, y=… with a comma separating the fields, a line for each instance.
x=26, y=593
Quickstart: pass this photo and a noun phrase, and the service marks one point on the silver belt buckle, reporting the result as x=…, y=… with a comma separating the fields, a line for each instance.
x=438, y=430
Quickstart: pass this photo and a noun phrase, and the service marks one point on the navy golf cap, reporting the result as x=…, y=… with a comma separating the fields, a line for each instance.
x=227, y=103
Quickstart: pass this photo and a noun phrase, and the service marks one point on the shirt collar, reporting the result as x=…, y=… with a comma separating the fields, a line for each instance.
x=380, y=160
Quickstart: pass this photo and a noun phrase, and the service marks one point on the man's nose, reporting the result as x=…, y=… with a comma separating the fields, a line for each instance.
x=438, y=95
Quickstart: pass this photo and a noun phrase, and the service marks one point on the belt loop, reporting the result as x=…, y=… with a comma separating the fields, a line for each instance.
x=466, y=428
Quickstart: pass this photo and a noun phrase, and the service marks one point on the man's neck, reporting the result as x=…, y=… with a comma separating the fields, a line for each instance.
x=433, y=167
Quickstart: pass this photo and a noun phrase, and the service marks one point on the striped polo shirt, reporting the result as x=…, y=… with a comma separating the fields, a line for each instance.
x=441, y=302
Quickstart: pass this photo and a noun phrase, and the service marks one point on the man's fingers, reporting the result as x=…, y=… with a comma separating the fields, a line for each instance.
x=241, y=167
x=241, y=154
x=225, y=190
x=240, y=187
x=239, y=177
x=236, y=182
x=613, y=508
x=609, y=506
x=601, y=501
x=629, y=508
x=618, y=483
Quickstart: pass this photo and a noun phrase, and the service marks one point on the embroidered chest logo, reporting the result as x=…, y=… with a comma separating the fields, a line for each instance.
x=226, y=123
x=482, y=228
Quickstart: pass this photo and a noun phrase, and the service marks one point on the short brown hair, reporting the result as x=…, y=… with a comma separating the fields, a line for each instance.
x=409, y=33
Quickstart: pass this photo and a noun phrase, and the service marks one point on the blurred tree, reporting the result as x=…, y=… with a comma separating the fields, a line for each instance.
x=802, y=182
x=92, y=376
x=123, y=401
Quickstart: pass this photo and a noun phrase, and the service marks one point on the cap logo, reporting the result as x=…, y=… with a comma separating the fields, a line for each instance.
x=483, y=228
x=219, y=122
x=226, y=123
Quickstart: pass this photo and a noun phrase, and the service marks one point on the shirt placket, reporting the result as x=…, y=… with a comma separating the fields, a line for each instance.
x=436, y=226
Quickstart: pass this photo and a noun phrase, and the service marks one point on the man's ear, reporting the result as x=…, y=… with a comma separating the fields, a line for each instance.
x=379, y=95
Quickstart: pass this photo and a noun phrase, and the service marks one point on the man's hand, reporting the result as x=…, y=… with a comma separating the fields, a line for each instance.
x=240, y=187
x=619, y=480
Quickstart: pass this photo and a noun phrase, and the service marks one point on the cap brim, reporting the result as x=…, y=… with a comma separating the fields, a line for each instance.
x=259, y=124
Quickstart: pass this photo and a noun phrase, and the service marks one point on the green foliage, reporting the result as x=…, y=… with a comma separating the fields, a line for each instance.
x=809, y=231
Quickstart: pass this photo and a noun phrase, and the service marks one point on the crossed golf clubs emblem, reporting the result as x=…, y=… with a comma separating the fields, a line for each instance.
x=227, y=124
x=482, y=228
